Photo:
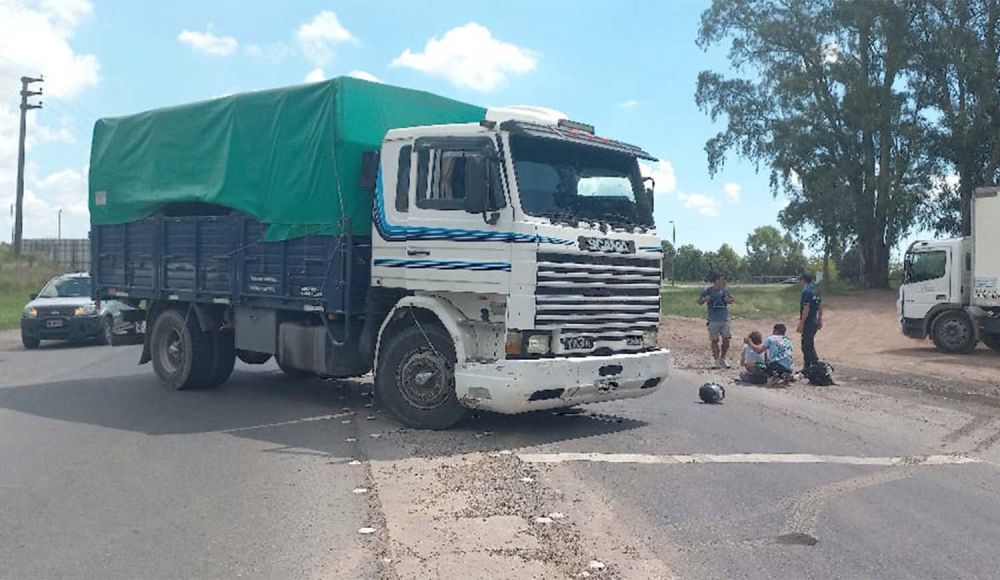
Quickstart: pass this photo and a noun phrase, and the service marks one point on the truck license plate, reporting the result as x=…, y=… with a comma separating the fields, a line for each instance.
x=53, y=323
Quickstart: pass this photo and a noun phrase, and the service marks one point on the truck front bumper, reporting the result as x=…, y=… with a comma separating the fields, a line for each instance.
x=516, y=386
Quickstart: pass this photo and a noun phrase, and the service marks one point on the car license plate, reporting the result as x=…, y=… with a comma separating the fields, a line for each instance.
x=53, y=323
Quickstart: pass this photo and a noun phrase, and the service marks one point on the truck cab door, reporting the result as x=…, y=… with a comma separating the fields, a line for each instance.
x=927, y=282
x=453, y=246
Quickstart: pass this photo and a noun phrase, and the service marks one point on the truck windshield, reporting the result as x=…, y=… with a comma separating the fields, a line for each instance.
x=923, y=266
x=570, y=182
x=74, y=287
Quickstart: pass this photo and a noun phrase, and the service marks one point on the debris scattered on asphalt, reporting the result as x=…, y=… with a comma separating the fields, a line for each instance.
x=376, y=435
x=366, y=531
x=506, y=452
x=350, y=440
x=543, y=520
x=346, y=421
x=596, y=565
x=360, y=490
x=354, y=462
x=370, y=417
x=526, y=480
x=557, y=515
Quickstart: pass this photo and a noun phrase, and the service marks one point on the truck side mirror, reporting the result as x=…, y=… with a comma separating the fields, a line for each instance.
x=33, y=295
x=482, y=187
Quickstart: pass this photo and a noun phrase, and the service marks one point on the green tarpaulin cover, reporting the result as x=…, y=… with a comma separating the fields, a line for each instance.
x=284, y=156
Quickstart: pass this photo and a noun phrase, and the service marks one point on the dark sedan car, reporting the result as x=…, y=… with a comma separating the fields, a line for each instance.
x=64, y=310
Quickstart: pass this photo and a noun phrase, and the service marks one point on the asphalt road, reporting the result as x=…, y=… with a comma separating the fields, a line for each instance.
x=105, y=475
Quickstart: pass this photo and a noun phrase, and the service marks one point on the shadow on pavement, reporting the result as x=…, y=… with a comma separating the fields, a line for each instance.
x=297, y=414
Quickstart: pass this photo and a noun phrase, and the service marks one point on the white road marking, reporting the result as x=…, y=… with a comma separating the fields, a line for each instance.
x=283, y=423
x=746, y=458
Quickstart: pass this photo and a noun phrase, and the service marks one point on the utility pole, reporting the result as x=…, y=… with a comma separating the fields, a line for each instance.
x=25, y=107
x=59, y=226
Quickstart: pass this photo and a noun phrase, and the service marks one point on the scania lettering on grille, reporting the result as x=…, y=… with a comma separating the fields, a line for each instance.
x=608, y=245
x=578, y=342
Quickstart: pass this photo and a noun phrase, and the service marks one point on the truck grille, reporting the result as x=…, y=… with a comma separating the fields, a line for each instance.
x=610, y=299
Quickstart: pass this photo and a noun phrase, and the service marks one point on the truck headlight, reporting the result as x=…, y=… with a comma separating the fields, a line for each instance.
x=538, y=344
x=31, y=312
x=88, y=310
x=649, y=338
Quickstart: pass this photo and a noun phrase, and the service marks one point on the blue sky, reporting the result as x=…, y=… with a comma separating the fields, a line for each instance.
x=628, y=67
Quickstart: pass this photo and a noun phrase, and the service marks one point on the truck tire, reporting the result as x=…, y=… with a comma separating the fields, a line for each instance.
x=252, y=357
x=992, y=341
x=416, y=378
x=224, y=346
x=183, y=355
x=954, y=332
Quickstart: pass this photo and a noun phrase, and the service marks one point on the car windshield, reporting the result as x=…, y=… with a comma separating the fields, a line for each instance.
x=69, y=287
x=571, y=182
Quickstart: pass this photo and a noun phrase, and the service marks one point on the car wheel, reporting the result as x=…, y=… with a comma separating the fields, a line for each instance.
x=416, y=378
x=30, y=342
x=954, y=332
x=182, y=354
x=107, y=331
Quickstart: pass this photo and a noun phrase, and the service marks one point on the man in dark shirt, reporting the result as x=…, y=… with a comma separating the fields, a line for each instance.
x=810, y=319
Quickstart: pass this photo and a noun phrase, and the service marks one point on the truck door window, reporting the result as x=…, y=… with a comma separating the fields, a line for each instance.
x=445, y=185
x=926, y=266
x=403, y=179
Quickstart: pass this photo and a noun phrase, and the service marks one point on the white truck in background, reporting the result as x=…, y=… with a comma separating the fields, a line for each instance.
x=951, y=288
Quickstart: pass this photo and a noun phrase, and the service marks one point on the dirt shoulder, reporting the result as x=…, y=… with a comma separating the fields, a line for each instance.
x=861, y=338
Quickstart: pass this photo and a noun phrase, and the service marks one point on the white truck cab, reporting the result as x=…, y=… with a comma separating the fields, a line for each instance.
x=950, y=288
x=532, y=242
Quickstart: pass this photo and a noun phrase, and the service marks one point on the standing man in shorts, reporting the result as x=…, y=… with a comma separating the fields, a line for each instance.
x=718, y=299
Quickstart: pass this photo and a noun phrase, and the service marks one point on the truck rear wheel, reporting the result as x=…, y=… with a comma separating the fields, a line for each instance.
x=252, y=357
x=992, y=341
x=183, y=356
x=224, y=347
x=416, y=378
x=954, y=332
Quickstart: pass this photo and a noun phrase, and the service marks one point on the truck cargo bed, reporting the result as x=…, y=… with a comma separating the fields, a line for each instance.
x=224, y=259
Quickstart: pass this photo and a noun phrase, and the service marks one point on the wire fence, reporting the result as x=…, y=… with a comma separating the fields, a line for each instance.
x=70, y=255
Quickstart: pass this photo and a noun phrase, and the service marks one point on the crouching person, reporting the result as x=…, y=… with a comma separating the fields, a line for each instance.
x=754, y=363
x=778, y=350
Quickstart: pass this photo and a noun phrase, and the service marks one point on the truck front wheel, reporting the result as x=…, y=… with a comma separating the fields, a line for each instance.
x=183, y=356
x=954, y=332
x=416, y=378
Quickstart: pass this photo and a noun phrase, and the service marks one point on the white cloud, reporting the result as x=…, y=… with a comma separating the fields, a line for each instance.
x=317, y=37
x=732, y=191
x=34, y=39
x=705, y=205
x=469, y=56
x=364, y=75
x=662, y=173
x=208, y=42
x=629, y=104
x=316, y=75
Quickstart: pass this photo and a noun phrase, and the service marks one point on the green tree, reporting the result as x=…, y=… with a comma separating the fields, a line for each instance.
x=669, y=253
x=820, y=92
x=766, y=252
x=690, y=263
x=725, y=261
x=957, y=78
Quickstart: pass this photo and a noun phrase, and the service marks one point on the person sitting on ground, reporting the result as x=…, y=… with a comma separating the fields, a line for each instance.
x=718, y=299
x=778, y=349
x=754, y=363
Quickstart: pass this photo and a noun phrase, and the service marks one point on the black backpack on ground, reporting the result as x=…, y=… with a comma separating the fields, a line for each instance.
x=819, y=374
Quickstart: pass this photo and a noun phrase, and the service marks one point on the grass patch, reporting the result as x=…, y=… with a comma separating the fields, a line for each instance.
x=18, y=279
x=773, y=302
